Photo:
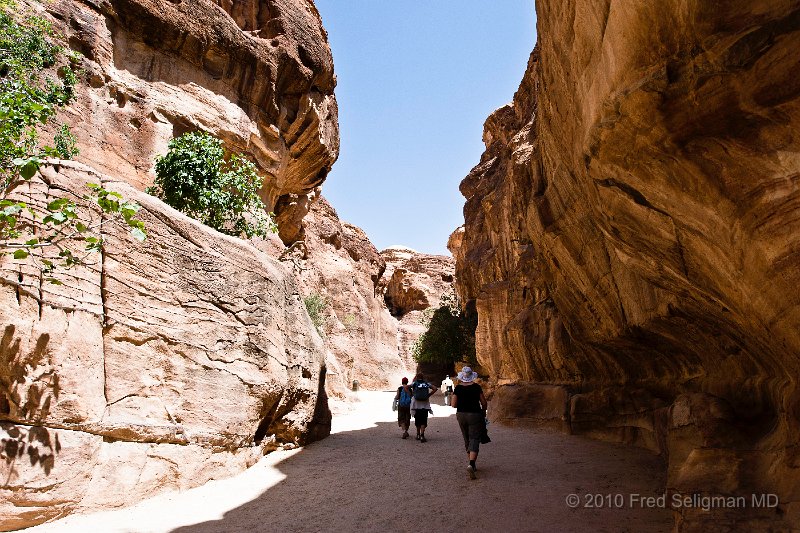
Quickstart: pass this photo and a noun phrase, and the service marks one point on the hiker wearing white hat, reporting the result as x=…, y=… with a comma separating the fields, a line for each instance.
x=470, y=404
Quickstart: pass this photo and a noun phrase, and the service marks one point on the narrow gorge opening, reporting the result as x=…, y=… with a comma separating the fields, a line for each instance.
x=592, y=205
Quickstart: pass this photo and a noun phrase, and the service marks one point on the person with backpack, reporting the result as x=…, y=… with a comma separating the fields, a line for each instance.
x=421, y=404
x=402, y=401
x=470, y=404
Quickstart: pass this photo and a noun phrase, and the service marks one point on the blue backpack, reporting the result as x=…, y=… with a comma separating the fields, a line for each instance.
x=405, y=398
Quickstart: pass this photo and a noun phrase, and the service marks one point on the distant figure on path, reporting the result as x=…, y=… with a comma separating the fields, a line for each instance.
x=470, y=404
x=447, y=387
x=421, y=404
x=403, y=400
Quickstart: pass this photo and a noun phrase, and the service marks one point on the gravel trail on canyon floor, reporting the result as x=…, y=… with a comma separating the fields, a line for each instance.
x=364, y=477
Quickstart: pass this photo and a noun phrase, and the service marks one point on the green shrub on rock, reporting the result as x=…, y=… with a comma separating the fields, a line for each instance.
x=316, y=304
x=195, y=178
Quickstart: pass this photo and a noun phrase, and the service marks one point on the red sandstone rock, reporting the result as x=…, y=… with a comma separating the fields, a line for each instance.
x=631, y=234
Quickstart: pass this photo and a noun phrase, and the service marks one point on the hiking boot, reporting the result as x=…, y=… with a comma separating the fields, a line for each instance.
x=405, y=434
x=417, y=436
x=423, y=439
x=471, y=472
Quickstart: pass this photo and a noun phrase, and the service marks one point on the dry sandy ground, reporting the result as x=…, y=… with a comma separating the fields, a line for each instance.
x=365, y=478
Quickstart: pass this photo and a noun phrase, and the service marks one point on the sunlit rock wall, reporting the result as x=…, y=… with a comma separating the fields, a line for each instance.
x=166, y=364
x=257, y=74
x=154, y=366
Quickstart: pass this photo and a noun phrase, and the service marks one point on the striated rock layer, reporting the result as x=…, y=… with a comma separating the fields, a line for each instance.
x=632, y=242
x=161, y=365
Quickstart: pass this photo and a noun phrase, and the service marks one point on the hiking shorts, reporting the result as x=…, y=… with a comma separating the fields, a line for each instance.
x=403, y=415
x=420, y=417
x=471, y=425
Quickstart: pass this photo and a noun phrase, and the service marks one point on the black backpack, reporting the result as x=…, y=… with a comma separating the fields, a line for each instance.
x=422, y=391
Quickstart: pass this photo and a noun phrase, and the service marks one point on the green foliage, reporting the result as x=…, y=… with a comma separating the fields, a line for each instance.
x=450, y=336
x=30, y=100
x=195, y=178
x=316, y=304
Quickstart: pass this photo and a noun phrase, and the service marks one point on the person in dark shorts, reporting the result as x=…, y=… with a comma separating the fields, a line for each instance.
x=470, y=404
x=403, y=400
x=420, y=407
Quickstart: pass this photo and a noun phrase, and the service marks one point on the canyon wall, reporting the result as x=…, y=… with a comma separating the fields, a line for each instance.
x=338, y=265
x=165, y=364
x=413, y=284
x=632, y=247
x=374, y=302
x=153, y=366
x=259, y=75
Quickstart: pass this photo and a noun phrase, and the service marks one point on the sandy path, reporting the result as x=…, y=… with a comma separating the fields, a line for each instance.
x=365, y=478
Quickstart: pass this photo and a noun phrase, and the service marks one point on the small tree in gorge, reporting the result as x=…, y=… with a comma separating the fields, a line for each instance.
x=450, y=336
x=195, y=178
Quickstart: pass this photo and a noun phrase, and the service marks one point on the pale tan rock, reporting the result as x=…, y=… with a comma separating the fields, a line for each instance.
x=162, y=364
x=337, y=262
x=257, y=74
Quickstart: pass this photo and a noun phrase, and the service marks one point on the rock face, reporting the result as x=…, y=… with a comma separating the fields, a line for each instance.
x=412, y=283
x=257, y=74
x=338, y=263
x=632, y=237
x=184, y=359
x=163, y=365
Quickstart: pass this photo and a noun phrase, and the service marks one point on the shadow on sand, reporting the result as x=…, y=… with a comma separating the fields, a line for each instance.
x=371, y=480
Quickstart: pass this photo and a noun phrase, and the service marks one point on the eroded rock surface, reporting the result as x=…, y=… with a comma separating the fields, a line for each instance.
x=632, y=236
x=337, y=263
x=413, y=283
x=163, y=364
x=257, y=74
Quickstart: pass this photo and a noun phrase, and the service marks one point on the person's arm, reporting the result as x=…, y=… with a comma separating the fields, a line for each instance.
x=484, y=403
x=454, y=399
x=397, y=395
x=434, y=389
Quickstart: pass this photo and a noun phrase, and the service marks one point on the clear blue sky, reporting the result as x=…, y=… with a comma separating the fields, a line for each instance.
x=416, y=80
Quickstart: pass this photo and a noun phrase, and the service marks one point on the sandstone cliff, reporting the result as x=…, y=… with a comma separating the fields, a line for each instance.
x=259, y=75
x=631, y=242
x=339, y=265
x=413, y=283
x=161, y=365
x=183, y=359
